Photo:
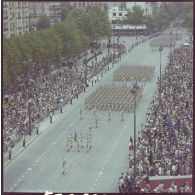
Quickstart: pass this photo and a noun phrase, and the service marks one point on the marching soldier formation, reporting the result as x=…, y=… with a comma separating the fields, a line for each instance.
x=136, y=73
x=165, y=41
x=112, y=98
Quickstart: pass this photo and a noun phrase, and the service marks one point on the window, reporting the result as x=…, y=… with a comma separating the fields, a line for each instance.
x=120, y=14
x=19, y=15
x=19, y=4
x=113, y=14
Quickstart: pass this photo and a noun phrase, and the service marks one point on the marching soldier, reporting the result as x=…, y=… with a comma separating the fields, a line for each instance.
x=109, y=115
x=75, y=136
x=63, y=164
x=81, y=114
x=90, y=131
x=122, y=116
x=96, y=122
x=80, y=142
x=94, y=113
x=88, y=143
x=69, y=143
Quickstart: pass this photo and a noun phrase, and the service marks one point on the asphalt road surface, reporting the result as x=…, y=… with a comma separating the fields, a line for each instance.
x=38, y=169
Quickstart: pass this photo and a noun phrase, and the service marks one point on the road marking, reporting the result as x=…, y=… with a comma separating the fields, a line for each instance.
x=29, y=169
x=100, y=173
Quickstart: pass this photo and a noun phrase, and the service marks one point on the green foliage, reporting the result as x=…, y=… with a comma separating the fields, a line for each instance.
x=63, y=39
x=136, y=15
x=167, y=12
x=188, y=15
x=93, y=22
x=43, y=23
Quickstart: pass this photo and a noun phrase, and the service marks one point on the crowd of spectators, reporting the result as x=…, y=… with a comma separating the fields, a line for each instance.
x=37, y=95
x=164, y=147
x=127, y=184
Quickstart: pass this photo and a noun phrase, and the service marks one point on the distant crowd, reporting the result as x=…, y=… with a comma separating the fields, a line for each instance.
x=164, y=147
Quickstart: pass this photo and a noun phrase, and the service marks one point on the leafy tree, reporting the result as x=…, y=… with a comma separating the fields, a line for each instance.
x=188, y=15
x=136, y=16
x=43, y=23
x=64, y=12
x=12, y=61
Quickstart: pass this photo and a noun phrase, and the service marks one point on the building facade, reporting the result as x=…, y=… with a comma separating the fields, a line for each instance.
x=50, y=9
x=15, y=18
x=104, y=5
x=115, y=14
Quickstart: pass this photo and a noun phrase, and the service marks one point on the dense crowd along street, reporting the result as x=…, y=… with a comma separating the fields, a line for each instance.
x=165, y=145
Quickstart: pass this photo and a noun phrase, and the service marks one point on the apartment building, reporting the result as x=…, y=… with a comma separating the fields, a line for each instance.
x=15, y=18
x=115, y=14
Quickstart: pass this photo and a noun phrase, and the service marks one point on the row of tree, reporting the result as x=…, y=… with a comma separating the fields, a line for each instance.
x=161, y=20
x=64, y=39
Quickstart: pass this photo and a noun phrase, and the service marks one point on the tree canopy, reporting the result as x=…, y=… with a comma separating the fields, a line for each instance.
x=136, y=15
x=49, y=44
x=43, y=23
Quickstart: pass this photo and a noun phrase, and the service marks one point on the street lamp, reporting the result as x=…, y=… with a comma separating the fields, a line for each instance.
x=28, y=95
x=85, y=72
x=160, y=50
x=134, y=92
x=29, y=111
